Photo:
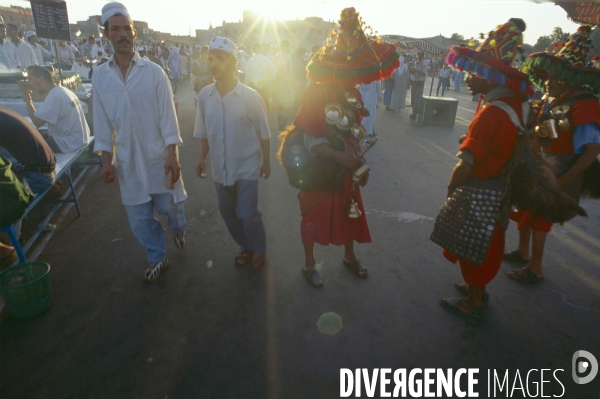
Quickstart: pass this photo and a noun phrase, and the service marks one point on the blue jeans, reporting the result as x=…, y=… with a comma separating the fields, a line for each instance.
x=38, y=182
x=457, y=84
x=238, y=206
x=148, y=230
x=441, y=82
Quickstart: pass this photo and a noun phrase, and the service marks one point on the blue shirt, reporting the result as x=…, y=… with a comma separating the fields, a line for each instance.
x=588, y=133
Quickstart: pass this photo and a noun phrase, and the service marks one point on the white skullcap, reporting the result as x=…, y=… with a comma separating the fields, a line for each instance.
x=112, y=9
x=222, y=43
x=30, y=33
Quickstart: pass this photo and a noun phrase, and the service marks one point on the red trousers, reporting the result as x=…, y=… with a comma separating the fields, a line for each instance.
x=524, y=219
x=481, y=275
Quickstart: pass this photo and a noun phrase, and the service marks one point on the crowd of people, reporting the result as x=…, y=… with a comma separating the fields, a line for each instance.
x=326, y=113
x=22, y=49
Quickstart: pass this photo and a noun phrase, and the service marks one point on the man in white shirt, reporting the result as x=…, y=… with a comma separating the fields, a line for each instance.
x=442, y=79
x=74, y=49
x=98, y=50
x=65, y=52
x=61, y=110
x=8, y=55
x=284, y=94
x=418, y=76
x=87, y=47
x=133, y=98
x=142, y=54
x=231, y=122
x=260, y=73
x=39, y=51
x=370, y=93
x=24, y=52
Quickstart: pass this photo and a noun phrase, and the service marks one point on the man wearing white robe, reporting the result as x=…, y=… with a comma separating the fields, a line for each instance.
x=98, y=50
x=39, y=51
x=12, y=59
x=8, y=55
x=370, y=94
x=400, y=77
x=25, y=54
x=133, y=98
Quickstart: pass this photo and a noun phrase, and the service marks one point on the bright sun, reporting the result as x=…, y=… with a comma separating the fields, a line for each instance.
x=270, y=12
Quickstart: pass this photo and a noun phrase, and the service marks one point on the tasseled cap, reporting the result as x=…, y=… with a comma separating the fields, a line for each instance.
x=493, y=59
x=568, y=61
x=350, y=57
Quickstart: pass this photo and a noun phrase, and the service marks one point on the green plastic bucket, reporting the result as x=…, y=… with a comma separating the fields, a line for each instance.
x=26, y=289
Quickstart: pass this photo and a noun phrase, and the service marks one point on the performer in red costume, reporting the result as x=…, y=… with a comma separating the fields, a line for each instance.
x=324, y=147
x=484, y=154
x=570, y=106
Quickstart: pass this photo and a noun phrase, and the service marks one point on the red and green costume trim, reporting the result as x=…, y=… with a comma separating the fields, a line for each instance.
x=540, y=65
x=483, y=66
x=350, y=57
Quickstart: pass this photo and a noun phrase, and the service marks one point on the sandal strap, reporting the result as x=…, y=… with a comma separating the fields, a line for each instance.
x=244, y=257
x=524, y=274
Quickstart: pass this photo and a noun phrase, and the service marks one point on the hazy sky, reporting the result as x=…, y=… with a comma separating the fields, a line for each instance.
x=422, y=18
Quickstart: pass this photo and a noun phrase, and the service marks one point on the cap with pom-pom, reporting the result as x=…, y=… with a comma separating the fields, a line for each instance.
x=567, y=61
x=493, y=59
x=350, y=56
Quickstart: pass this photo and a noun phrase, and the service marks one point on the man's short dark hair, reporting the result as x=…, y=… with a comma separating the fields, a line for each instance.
x=91, y=38
x=36, y=70
x=13, y=26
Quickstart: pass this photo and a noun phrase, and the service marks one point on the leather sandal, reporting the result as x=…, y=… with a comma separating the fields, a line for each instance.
x=463, y=288
x=357, y=268
x=524, y=275
x=313, y=277
x=461, y=307
x=259, y=260
x=515, y=257
x=243, y=258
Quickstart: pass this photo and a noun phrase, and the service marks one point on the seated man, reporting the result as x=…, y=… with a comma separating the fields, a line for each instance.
x=61, y=109
x=32, y=161
x=32, y=158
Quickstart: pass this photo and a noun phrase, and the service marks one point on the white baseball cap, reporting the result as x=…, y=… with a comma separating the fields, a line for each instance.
x=222, y=43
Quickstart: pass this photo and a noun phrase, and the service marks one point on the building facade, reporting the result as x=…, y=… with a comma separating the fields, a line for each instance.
x=22, y=17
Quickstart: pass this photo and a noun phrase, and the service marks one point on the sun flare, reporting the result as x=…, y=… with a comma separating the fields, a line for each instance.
x=270, y=12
